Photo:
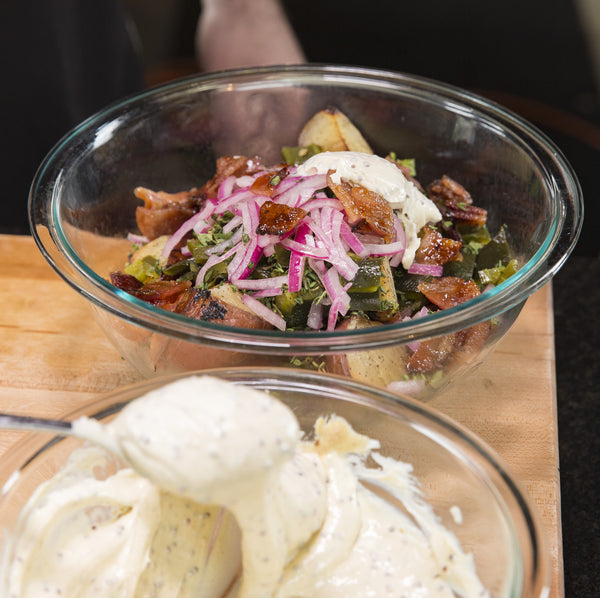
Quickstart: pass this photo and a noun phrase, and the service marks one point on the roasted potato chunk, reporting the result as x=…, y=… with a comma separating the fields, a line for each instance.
x=333, y=131
x=378, y=366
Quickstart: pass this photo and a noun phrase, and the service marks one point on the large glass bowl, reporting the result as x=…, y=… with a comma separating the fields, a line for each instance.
x=82, y=206
x=454, y=469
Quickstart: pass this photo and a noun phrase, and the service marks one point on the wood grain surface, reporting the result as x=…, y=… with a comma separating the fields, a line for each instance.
x=53, y=356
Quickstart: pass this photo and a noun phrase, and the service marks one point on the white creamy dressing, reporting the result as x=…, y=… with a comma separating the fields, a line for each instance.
x=384, y=178
x=224, y=499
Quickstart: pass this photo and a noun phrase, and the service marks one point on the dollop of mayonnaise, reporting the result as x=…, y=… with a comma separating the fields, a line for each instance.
x=384, y=178
x=223, y=498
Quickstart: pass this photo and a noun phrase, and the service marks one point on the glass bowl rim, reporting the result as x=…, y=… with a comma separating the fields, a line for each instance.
x=562, y=235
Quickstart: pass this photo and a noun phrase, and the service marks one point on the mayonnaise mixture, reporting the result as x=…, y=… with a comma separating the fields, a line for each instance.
x=223, y=498
x=384, y=178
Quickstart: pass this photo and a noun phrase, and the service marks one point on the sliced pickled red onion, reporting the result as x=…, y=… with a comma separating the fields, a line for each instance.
x=138, y=239
x=303, y=189
x=261, y=284
x=261, y=310
x=225, y=245
x=236, y=198
x=426, y=269
x=305, y=249
x=322, y=202
x=297, y=263
x=213, y=260
x=407, y=387
x=247, y=256
x=414, y=345
x=354, y=243
x=198, y=222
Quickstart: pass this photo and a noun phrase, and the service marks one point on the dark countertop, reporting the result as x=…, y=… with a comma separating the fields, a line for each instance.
x=576, y=292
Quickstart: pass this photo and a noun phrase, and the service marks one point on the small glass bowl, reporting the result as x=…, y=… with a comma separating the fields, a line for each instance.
x=454, y=469
x=82, y=207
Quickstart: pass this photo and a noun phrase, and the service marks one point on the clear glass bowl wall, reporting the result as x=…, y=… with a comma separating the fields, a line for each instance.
x=82, y=204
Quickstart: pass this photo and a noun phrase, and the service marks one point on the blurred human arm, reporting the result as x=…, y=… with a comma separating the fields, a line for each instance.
x=240, y=33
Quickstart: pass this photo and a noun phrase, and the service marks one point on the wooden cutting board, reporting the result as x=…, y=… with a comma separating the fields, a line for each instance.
x=53, y=356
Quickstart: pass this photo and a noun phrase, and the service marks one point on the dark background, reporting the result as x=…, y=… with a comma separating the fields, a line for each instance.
x=536, y=57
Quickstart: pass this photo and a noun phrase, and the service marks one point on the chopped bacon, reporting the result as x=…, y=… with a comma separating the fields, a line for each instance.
x=449, y=291
x=471, y=341
x=452, y=348
x=125, y=282
x=448, y=191
x=262, y=185
x=361, y=204
x=455, y=202
x=265, y=183
x=431, y=354
x=472, y=215
x=278, y=219
x=163, y=213
x=162, y=293
x=458, y=346
x=437, y=249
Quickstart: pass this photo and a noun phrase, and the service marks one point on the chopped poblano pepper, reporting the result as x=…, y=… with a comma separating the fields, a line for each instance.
x=462, y=268
x=179, y=268
x=373, y=286
x=406, y=162
x=497, y=251
x=218, y=273
x=474, y=234
x=145, y=269
x=299, y=154
x=497, y=274
x=294, y=307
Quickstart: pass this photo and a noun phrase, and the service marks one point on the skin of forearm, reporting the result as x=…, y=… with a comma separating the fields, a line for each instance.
x=242, y=33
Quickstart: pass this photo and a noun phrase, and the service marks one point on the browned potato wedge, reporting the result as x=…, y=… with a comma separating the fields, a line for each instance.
x=153, y=249
x=333, y=131
x=378, y=367
x=220, y=305
x=231, y=296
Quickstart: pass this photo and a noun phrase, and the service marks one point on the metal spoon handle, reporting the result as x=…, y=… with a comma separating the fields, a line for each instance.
x=36, y=424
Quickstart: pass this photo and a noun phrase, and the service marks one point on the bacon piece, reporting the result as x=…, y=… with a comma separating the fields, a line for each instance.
x=437, y=249
x=362, y=204
x=449, y=192
x=455, y=347
x=449, y=291
x=163, y=213
x=278, y=219
x=125, y=282
x=455, y=202
x=471, y=341
x=262, y=185
x=431, y=354
x=265, y=185
x=162, y=293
